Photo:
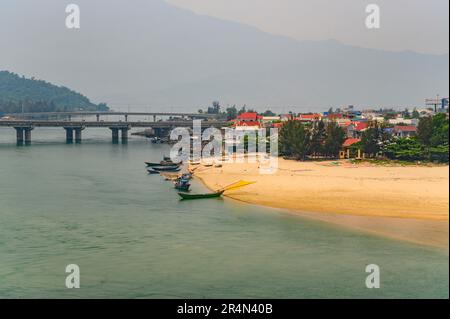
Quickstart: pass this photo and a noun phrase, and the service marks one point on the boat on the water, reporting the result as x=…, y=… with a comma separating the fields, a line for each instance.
x=152, y=172
x=217, y=193
x=166, y=168
x=162, y=163
x=182, y=185
x=186, y=196
x=187, y=176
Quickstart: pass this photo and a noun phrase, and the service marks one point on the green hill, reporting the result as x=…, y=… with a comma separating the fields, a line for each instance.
x=31, y=95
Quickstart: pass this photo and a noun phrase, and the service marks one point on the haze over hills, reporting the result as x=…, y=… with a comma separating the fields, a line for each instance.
x=153, y=55
x=19, y=94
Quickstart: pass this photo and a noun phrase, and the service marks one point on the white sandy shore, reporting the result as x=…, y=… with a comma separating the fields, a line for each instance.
x=410, y=203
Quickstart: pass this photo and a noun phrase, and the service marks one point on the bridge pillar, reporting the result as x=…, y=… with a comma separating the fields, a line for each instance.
x=115, y=135
x=124, y=134
x=19, y=134
x=27, y=132
x=23, y=134
x=78, y=134
x=69, y=135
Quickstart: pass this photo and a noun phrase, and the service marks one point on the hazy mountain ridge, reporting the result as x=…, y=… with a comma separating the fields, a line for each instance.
x=157, y=55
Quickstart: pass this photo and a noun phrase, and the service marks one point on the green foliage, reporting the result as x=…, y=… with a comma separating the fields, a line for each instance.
x=439, y=153
x=215, y=108
x=374, y=139
x=294, y=140
x=19, y=94
x=404, y=149
x=370, y=141
x=231, y=112
x=432, y=133
x=335, y=137
x=318, y=137
x=431, y=143
x=298, y=140
x=268, y=113
x=440, y=130
x=425, y=131
x=415, y=114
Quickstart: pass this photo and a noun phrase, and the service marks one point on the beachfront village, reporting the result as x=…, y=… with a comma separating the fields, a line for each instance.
x=410, y=135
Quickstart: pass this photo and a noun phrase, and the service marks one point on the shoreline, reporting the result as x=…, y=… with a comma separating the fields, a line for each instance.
x=384, y=213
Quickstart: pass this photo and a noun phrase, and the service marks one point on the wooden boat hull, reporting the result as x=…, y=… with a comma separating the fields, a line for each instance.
x=185, y=196
x=166, y=169
x=149, y=164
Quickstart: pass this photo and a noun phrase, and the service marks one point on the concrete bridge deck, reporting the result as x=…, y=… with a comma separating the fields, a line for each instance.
x=24, y=127
x=98, y=114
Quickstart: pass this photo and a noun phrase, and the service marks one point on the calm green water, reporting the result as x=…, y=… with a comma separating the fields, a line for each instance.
x=94, y=205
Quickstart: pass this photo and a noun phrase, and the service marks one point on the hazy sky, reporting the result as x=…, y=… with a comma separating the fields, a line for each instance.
x=155, y=54
x=418, y=25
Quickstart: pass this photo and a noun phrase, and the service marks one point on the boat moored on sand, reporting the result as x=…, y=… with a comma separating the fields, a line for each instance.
x=186, y=196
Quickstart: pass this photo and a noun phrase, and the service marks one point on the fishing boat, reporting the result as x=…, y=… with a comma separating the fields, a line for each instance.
x=182, y=185
x=216, y=194
x=187, y=176
x=186, y=196
x=162, y=163
x=152, y=172
x=166, y=168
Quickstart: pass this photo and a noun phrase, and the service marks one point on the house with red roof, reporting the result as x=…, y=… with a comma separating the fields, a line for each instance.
x=248, y=120
x=355, y=129
x=278, y=125
x=350, y=141
x=309, y=117
x=348, y=152
x=249, y=117
x=404, y=131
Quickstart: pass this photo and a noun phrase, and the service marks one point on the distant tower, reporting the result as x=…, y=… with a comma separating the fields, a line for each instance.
x=434, y=102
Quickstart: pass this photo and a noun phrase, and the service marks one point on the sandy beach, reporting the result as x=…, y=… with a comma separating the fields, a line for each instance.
x=404, y=202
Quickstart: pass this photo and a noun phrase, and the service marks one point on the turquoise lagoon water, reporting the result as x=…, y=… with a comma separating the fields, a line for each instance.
x=94, y=205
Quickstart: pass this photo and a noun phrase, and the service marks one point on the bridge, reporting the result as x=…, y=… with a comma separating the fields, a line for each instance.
x=74, y=128
x=98, y=114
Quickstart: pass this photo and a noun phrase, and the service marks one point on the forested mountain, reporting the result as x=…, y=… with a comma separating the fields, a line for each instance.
x=17, y=92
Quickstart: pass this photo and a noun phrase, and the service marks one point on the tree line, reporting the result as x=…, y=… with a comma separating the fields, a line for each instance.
x=231, y=112
x=320, y=139
x=430, y=144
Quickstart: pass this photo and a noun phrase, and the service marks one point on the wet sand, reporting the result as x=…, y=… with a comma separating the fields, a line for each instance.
x=409, y=203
